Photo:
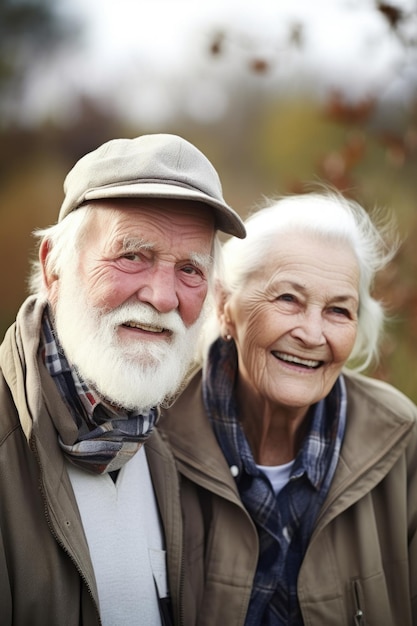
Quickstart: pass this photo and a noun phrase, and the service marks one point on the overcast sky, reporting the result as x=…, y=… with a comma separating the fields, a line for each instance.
x=145, y=55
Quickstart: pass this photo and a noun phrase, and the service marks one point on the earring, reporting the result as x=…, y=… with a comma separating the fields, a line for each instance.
x=227, y=337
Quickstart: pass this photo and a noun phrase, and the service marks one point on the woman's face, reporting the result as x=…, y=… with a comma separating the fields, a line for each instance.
x=295, y=321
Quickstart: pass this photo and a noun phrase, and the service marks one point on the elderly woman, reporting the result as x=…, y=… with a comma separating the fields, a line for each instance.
x=298, y=475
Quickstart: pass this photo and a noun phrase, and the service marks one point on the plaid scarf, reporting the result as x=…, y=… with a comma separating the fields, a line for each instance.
x=284, y=522
x=106, y=438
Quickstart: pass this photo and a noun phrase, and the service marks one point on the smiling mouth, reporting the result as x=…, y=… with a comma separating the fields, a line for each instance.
x=148, y=328
x=289, y=358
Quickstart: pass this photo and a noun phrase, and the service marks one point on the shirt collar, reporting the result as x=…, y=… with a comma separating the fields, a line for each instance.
x=57, y=364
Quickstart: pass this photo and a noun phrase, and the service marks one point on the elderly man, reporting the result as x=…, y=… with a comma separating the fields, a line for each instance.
x=87, y=513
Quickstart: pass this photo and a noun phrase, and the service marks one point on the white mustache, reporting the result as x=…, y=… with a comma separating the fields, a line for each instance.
x=143, y=314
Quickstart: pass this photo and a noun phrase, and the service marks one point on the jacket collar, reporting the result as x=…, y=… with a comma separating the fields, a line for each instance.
x=36, y=399
x=194, y=444
x=378, y=426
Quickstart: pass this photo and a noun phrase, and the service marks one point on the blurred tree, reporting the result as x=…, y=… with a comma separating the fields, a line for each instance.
x=29, y=30
x=365, y=146
x=272, y=136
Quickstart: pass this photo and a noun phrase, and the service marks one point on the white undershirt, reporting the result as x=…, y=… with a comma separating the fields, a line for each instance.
x=123, y=531
x=278, y=475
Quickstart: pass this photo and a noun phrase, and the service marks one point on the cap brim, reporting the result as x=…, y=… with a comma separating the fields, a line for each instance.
x=226, y=219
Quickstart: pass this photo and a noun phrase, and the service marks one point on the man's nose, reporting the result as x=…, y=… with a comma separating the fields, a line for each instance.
x=160, y=289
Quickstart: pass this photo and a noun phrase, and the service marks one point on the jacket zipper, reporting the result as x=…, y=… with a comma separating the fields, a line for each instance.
x=359, y=617
x=55, y=535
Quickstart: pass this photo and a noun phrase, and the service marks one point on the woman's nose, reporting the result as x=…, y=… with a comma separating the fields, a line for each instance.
x=310, y=329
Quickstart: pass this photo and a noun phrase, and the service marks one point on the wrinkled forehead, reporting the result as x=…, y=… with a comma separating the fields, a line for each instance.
x=153, y=225
x=189, y=213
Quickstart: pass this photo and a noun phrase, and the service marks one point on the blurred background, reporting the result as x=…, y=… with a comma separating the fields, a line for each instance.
x=276, y=93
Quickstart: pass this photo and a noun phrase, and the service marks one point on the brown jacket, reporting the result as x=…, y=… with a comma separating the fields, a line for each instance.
x=363, y=553
x=46, y=575
x=361, y=565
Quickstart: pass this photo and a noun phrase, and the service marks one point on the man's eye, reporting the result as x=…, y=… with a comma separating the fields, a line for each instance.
x=190, y=269
x=131, y=256
x=192, y=275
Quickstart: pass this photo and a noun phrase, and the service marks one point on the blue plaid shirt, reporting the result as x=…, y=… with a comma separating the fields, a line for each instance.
x=284, y=522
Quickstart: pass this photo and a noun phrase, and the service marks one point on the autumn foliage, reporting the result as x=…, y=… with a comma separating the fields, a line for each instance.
x=267, y=143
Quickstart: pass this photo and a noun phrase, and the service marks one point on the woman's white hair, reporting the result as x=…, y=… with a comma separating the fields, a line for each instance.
x=327, y=215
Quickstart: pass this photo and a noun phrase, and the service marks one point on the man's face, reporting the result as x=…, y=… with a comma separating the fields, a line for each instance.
x=128, y=310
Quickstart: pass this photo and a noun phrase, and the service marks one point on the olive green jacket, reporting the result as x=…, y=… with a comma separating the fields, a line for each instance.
x=361, y=564
x=46, y=574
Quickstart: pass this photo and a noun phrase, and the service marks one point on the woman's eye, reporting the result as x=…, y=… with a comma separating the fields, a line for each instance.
x=286, y=297
x=341, y=311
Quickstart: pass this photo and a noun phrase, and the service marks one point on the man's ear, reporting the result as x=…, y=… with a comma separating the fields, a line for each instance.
x=44, y=250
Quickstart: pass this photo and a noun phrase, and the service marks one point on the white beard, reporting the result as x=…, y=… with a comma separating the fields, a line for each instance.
x=135, y=375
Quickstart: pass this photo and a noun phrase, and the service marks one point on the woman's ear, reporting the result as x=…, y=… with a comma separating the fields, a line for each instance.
x=222, y=296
